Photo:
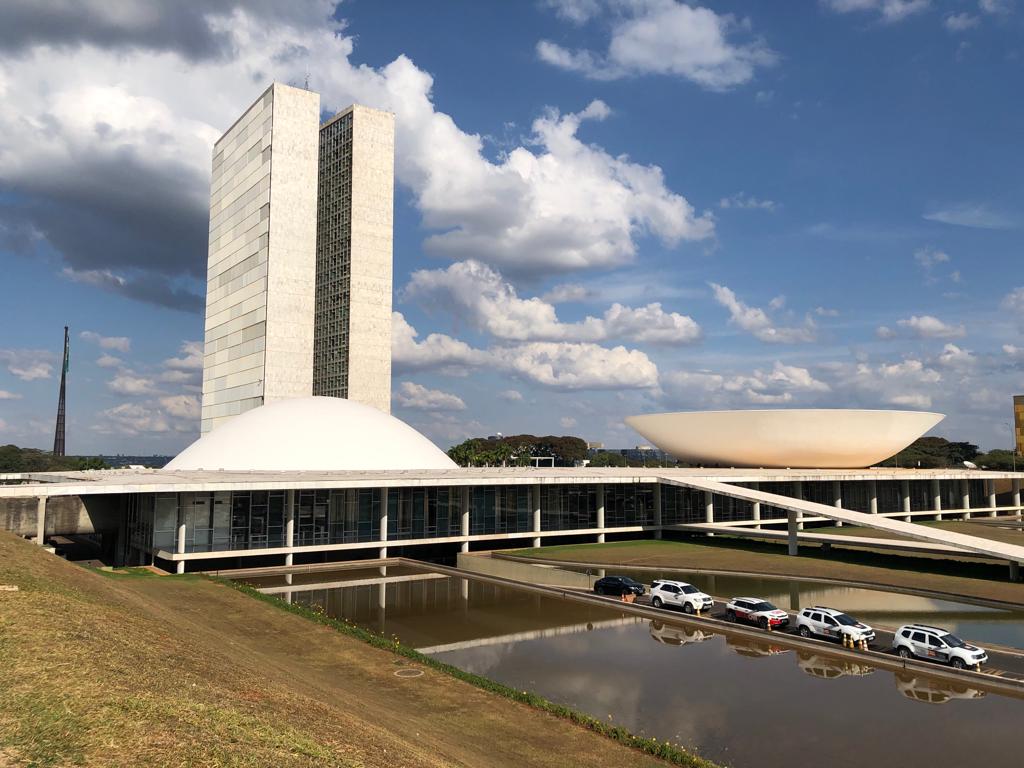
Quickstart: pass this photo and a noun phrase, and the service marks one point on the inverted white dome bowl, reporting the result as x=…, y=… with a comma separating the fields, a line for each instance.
x=312, y=434
x=797, y=438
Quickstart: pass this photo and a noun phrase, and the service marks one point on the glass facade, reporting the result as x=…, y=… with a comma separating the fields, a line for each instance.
x=225, y=521
x=569, y=507
x=333, y=259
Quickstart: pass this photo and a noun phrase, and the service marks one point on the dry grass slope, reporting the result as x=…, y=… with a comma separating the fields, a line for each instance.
x=137, y=670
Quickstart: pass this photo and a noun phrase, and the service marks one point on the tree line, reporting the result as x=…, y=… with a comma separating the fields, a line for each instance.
x=518, y=451
x=15, y=459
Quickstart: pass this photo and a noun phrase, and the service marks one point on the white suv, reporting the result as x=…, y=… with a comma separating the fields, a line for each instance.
x=679, y=594
x=937, y=644
x=828, y=622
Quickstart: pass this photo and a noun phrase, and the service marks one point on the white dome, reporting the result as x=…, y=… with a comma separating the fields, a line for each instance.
x=312, y=434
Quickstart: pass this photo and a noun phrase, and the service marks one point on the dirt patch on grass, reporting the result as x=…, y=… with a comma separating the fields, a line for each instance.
x=115, y=670
x=750, y=557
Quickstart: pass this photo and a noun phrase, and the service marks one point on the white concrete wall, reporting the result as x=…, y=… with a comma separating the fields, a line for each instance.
x=261, y=256
x=373, y=174
x=291, y=277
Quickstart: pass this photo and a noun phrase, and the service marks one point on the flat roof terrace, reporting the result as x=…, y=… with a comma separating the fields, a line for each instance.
x=114, y=481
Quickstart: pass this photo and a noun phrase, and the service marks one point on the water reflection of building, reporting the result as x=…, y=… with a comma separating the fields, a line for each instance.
x=437, y=613
x=931, y=691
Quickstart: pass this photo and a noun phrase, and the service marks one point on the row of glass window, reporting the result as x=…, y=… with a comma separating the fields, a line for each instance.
x=227, y=520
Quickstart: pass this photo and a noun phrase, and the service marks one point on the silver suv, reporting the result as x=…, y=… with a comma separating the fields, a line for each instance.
x=833, y=624
x=937, y=644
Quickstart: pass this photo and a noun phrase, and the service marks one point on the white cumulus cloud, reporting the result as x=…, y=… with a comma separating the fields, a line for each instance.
x=756, y=321
x=665, y=37
x=412, y=395
x=480, y=295
x=888, y=10
x=117, y=343
x=930, y=327
x=28, y=364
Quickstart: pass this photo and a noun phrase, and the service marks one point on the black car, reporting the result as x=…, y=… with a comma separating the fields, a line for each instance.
x=618, y=586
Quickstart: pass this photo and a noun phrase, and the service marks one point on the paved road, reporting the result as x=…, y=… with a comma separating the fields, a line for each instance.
x=1006, y=664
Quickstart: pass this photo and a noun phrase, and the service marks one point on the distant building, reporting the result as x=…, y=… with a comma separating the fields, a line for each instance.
x=1018, y=423
x=299, y=273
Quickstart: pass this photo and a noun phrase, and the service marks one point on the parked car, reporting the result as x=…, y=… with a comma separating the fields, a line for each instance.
x=833, y=624
x=754, y=610
x=936, y=644
x=680, y=595
x=618, y=586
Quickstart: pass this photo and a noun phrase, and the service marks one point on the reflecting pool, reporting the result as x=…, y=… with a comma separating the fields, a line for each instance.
x=737, y=701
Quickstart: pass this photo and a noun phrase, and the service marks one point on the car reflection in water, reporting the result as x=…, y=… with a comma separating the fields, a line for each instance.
x=755, y=649
x=932, y=691
x=829, y=668
x=671, y=634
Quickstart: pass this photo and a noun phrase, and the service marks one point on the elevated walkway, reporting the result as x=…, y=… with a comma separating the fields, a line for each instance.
x=871, y=542
x=795, y=507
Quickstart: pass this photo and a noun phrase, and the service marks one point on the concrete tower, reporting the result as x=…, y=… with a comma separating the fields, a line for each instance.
x=262, y=259
x=352, y=339
x=300, y=251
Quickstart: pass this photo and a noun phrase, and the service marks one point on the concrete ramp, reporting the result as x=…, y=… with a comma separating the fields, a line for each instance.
x=972, y=544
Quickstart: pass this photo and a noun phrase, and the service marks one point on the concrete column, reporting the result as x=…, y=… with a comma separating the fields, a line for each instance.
x=657, y=510
x=990, y=489
x=1014, y=570
x=792, y=526
x=937, y=499
x=756, y=508
x=798, y=487
x=1016, y=494
x=965, y=498
x=905, y=496
x=180, y=539
x=536, y=514
x=465, y=517
x=837, y=498
x=709, y=508
x=41, y=520
x=600, y=512
x=383, y=522
x=289, y=525
x=873, y=491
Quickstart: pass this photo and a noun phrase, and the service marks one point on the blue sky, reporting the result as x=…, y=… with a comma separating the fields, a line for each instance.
x=603, y=207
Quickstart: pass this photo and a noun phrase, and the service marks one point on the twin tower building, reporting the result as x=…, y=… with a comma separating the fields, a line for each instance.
x=298, y=297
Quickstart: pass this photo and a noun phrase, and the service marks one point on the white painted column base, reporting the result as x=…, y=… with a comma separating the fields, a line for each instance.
x=41, y=521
